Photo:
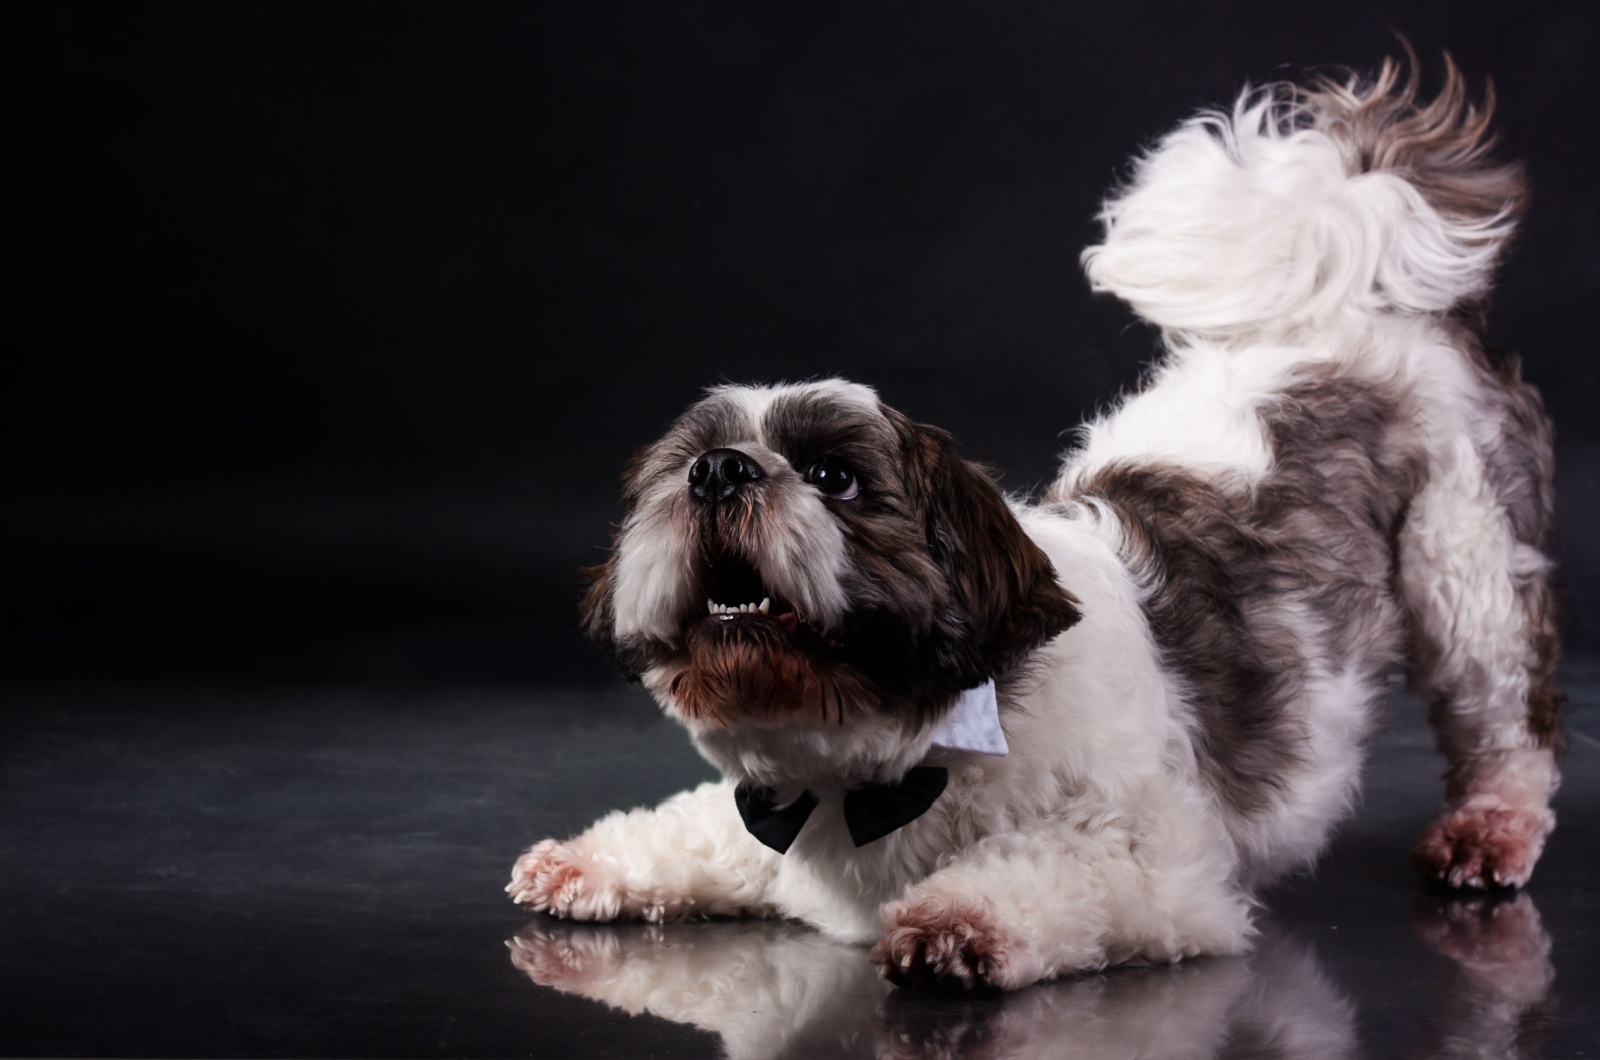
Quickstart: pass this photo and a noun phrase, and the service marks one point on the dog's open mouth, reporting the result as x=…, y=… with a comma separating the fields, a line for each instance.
x=735, y=595
x=751, y=656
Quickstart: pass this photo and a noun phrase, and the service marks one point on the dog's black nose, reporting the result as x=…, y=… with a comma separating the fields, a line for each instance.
x=721, y=473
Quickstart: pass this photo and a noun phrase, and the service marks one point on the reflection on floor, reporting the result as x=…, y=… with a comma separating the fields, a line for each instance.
x=779, y=990
x=236, y=872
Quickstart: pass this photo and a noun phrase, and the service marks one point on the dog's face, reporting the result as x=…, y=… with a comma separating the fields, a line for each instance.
x=804, y=558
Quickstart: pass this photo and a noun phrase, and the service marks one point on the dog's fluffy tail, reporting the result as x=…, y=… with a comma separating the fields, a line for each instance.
x=1305, y=203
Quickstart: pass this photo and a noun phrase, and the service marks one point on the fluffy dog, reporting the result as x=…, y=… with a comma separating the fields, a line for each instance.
x=1005, y=741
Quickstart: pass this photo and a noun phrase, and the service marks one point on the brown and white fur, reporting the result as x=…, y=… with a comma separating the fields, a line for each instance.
x=1328, y=474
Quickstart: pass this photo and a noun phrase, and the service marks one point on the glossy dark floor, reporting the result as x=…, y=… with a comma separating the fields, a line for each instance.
x=318, y=873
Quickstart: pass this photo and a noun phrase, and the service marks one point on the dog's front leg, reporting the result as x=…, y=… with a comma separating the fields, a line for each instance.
x=1058, y=897
x=689, y=856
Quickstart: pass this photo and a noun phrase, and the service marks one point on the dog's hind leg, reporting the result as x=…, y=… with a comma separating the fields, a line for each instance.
x=1476, y=582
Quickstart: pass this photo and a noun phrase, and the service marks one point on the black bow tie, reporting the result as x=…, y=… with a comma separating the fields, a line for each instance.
x=871, y=811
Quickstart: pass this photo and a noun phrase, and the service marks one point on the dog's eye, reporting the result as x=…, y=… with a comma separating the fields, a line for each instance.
x=835, y=478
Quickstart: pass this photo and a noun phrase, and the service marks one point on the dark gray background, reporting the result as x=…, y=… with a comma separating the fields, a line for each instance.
x=328, y=329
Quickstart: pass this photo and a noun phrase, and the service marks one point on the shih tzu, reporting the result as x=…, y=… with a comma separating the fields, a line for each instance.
x=1003, y=741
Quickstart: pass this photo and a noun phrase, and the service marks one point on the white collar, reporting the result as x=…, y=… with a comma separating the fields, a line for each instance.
x=973, y=724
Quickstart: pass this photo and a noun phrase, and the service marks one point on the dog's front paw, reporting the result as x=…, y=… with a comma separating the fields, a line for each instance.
x=1484, y=842
x=564, y=880
x=945, y=944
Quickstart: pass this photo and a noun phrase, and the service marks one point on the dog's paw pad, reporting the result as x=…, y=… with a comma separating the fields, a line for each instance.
x=554, y=877
x=1481, y=844
x=943, y=945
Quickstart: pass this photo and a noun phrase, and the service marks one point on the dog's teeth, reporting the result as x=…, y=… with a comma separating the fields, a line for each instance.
x=764, y=607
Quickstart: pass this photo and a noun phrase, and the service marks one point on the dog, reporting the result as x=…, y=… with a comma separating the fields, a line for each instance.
x=1003, y=741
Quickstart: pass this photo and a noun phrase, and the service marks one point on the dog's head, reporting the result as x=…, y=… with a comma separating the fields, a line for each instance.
x=803, y=558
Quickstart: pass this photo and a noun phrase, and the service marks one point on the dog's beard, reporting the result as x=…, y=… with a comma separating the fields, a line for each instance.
x=748, y=667
x=751, y=656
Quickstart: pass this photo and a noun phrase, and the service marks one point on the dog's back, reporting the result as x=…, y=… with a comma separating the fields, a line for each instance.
x=1332, y=472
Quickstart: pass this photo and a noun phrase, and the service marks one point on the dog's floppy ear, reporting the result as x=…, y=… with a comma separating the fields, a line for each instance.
x=1006, y=598
x=598, y=615
x=598, y=610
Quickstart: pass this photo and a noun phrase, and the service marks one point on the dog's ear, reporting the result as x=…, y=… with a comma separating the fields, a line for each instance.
x=598, y=609
x=1006, y=599
x=598, y=615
